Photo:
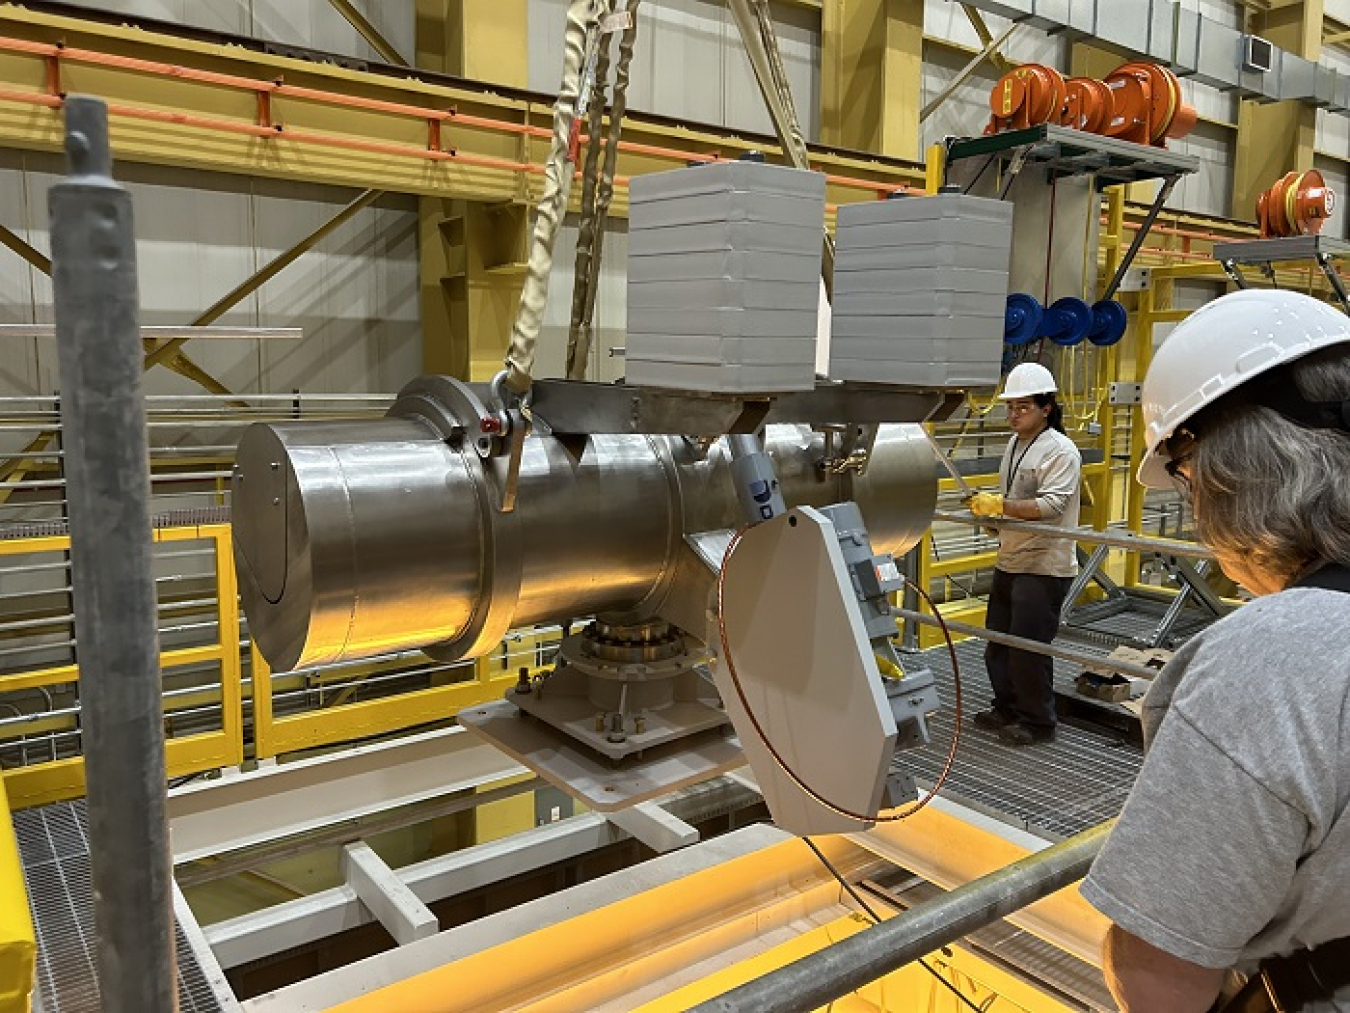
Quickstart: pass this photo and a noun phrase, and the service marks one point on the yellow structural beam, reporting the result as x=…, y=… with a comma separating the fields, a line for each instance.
x=871, y=82
x=18, y=947
x=192, y=104
x=482, y=40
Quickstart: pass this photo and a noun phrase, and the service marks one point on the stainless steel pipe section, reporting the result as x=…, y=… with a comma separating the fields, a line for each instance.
x=359, y=538
x=816, y=980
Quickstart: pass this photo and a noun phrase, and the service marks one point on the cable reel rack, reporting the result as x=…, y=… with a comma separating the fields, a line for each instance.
x=1065, y=152
x=1264, y=254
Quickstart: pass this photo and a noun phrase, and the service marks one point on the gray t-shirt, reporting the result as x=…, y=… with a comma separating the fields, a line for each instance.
x=1048, y=470
x=1234, y=844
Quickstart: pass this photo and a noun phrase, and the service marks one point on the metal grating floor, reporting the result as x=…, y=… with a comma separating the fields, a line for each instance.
x=54, y=850
x=1052, y=790
x=1100, y=623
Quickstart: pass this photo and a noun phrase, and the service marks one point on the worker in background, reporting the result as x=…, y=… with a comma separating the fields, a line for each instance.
x=1038, y=481
x=1233, y=849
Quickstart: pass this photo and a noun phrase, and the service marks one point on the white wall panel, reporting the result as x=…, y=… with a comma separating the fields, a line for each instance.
x=1210, y=190
x=610, y=321
x=964, y=112
x=355, y=295
x=945, y=20
x=19, y=369
x=310, y=24
x=688, y=62
x=1333, y=134
x=1333, y=131
x=1209, y=102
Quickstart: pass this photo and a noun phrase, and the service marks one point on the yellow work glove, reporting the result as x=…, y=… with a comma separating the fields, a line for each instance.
x=987, y=504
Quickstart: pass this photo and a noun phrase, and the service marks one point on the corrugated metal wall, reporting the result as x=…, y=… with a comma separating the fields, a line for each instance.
x=688, y=63
x=198, y=236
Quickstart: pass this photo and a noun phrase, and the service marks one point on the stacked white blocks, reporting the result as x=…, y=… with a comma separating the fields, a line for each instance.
x=723, y=278
x=920, y=287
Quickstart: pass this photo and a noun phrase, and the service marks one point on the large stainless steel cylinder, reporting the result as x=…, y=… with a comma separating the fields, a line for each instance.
x=359, y=538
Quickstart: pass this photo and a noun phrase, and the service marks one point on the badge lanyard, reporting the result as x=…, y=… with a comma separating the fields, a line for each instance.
x=1016, y=462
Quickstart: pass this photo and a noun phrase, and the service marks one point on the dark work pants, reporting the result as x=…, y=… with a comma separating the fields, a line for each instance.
x=1024, y=605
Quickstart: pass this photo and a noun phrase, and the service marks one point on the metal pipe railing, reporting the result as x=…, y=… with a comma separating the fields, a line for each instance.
x=1115, y=539
x=815, y=980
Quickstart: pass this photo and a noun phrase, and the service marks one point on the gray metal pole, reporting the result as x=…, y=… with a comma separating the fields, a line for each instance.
x=837, y=970
x=108, y=491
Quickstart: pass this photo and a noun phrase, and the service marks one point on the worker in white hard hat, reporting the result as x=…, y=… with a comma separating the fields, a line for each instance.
x=1038, y=481
x=1233, y=849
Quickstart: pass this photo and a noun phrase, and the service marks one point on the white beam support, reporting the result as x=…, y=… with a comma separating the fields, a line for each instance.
x=386, y=896
x=654, y=827
x=215, y=818
x=263, y=933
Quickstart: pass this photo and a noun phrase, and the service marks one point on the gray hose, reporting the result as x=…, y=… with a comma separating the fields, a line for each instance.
x=581, y=20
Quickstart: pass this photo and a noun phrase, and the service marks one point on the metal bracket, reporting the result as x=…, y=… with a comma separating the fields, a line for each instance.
x=519, y=430
x=1334, y=279
x=1230, y=268
x=452, y=409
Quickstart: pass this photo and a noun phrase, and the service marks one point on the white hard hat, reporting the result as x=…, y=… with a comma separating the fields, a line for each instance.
x=1027, y=379
x=1218, y=348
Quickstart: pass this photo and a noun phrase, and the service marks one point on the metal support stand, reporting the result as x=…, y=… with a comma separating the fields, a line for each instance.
x=121, y=717
x=1090, y=572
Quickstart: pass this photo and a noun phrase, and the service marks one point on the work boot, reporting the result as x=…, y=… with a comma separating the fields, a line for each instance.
x=993, y=719
x=1025, y=735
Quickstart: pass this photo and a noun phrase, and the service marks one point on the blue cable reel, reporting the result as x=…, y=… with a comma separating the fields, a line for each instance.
x=1021, y=319
x=1067, y=321
x=1109, y=321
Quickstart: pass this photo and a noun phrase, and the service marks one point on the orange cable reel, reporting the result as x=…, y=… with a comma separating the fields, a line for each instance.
x=1298, y=204
x=1149, y=105
x=1089, y=106
x=1131, y=101
x=1026, y=96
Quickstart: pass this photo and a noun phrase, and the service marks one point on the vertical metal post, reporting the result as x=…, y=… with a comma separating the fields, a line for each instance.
x=108, y=491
